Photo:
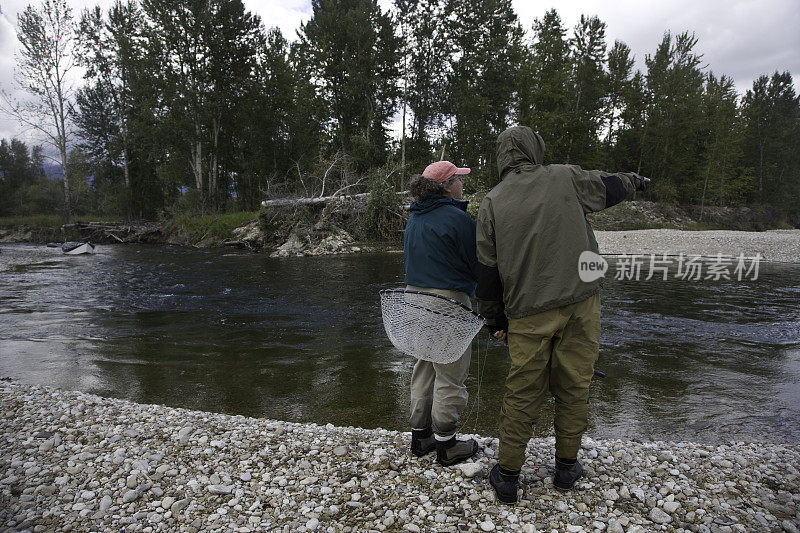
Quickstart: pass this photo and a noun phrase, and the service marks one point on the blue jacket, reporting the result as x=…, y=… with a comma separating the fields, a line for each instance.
x=439, y=245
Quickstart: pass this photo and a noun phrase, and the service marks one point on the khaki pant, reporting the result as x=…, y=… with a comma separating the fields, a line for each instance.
x=556, y=351
x=438, y=393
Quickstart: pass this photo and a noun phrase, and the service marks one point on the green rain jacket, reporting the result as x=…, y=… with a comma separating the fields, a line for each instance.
x=532, y=229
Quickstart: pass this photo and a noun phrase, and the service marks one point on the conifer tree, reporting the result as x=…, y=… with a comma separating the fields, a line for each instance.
x=483, y=85
x=352, y=54
x=545, y=103
x=772, y=141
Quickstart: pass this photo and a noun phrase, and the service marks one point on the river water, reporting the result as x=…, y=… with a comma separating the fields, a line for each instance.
x=301, y=339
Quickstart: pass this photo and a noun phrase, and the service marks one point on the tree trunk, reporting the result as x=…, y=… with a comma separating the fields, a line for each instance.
x=67, y=202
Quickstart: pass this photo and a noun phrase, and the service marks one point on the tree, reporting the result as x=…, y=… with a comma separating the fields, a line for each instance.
x=724, y=180
x=544, y=102
x=264, y=146
x=772, y=140
x=46, y=35
x=588, y=87
x=483, y=85
x=204, y=55
x=668, y=149
x=427, y=55
x=351, y=51
x=112, y=51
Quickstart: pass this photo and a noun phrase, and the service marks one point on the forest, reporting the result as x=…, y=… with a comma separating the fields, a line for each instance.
x=187, y=106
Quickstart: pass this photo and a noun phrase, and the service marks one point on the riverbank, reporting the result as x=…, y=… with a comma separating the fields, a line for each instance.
x=774, y=245
x=71, y=461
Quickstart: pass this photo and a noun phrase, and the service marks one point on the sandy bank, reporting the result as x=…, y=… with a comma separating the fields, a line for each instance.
x=773, y=245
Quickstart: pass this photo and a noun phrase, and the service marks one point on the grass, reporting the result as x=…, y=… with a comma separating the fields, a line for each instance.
x=198, y=228
x=48, y=221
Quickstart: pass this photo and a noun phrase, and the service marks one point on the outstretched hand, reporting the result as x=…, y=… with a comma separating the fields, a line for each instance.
x=501, y=336
x=642, y=186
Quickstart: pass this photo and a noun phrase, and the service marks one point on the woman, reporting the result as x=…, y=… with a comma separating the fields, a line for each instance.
x=440, y=257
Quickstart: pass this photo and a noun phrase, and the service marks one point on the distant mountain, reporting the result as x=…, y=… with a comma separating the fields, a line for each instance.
x=52, y=170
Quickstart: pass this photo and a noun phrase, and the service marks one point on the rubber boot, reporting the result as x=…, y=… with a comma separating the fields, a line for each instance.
x=422, y=441
x=505, y=483
x=568, y=471
x=453, y=451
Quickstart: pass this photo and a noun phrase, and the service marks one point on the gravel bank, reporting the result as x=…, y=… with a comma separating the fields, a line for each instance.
x=773, y=245
x=76, y=462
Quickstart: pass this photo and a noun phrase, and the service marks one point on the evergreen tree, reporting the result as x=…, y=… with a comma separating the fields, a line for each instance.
x=669, y=148
x=427, y=54
x=351, y=51
x=772, y=141
x=588, y=86
x=545, y=103
x=483, y=85
x=724, y=181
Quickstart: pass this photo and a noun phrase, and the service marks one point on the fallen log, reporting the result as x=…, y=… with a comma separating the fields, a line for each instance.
x=286, y=202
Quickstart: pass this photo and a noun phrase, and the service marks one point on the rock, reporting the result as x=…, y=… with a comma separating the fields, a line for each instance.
x=671, y=507
x=659, y=517
x=340, y=451
x=470, y=469
x=615, y=527
x=179, y=505
x=220, y=489
x=487, y=525
x=105, y=503
x=130, y=496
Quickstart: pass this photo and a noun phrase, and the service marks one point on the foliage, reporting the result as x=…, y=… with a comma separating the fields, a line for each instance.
x=195, y=108
x=197, y=228
x=383, y=216
x=46, y=35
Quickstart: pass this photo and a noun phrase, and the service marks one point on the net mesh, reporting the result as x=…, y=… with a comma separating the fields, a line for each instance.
x=428, y=326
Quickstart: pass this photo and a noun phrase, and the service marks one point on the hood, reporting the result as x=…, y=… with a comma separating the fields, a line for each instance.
x=434, y=201
x=518, y=146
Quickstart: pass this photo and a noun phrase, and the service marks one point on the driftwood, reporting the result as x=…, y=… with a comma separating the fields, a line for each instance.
x=285, y=202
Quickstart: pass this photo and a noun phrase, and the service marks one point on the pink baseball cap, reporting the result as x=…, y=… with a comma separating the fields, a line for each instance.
x=441, y=171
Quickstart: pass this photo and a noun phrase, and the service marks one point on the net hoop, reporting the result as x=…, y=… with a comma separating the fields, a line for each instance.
x=428, y=326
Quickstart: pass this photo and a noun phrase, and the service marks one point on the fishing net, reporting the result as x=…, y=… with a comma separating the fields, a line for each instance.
x=428, y=326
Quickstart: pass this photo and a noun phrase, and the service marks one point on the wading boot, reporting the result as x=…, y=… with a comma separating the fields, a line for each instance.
x=454, y=451
x=505, y=483
x=568, y=471
x=422, y=442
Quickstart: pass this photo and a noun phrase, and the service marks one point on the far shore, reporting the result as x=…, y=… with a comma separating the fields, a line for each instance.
x=782, y=246
x=774, y=245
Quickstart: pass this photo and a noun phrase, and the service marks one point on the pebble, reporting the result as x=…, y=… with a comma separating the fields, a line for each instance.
x=659, y=517
x=132, y=471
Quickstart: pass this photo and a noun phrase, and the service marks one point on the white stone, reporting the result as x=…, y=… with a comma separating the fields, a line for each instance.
x=487, y=525
x=220, y=489
x=659, y=517
x=470, y=469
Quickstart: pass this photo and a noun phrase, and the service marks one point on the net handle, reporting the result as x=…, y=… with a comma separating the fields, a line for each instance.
x=409, y=291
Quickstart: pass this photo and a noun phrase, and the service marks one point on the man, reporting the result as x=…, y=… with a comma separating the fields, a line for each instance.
x=439, y=245
x=531, y=232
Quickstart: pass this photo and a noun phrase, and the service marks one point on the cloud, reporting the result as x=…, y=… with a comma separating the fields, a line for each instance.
x=739, y=38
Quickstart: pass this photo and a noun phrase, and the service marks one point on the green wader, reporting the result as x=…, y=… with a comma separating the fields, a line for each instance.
x=554, y=350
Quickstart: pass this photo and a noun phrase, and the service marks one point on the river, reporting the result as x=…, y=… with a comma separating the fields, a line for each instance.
x=301, y=339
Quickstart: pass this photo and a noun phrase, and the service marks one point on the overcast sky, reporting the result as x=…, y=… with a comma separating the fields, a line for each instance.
x=740, y=38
